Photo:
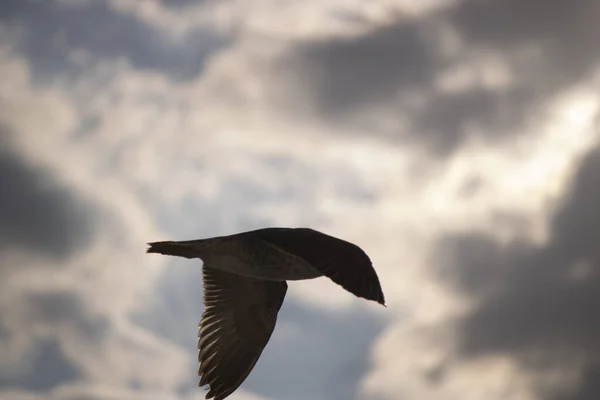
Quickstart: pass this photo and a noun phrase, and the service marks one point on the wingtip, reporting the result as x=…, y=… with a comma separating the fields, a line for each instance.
x=381, y=298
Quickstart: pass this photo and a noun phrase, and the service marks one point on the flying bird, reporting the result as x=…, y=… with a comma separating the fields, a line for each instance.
x=244, y=278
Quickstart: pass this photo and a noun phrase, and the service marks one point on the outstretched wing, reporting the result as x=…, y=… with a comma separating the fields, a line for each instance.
x=343, y=262
x=238, y=320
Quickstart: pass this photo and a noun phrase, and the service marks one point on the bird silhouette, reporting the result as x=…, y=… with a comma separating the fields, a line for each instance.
x=244, y=278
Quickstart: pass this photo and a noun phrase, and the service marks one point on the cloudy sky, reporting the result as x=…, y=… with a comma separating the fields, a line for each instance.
x=457, y=142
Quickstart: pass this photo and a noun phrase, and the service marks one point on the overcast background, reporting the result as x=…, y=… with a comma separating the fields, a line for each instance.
x=457, y=142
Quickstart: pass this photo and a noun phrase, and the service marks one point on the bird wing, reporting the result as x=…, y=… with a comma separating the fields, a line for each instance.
x=343, y=262
x=238, y=320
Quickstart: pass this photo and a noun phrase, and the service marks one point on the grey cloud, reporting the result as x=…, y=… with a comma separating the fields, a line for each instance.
x=37, y=213
x=299, y=185
x=211, y=217
x=177, y=306
x=345, y=73
x=588, y=389
x=50, y=31
x=65, y=308
x=445, y=118
x=182, y=3
x=532, y=301
x=45, y=364
x=387, y=67
x=316, y=363
x=42, y=216
x=566, y=32
x=49, y=368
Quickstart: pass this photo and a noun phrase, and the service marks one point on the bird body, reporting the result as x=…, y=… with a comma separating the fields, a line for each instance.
x=245, y=276
x=244, y=255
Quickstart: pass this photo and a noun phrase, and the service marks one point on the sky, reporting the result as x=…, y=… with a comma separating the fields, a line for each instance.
x=456, y=142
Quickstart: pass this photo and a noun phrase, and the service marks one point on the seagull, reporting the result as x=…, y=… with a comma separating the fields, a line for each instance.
x=244, y=276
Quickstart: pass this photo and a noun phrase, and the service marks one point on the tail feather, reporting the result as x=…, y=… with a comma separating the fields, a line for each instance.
x=187, y=249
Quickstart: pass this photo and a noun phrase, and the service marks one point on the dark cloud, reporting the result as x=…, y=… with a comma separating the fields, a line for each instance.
x=565, y=32
x=443, y=123
x=37, y=213
x=346, y=73
x=588, y=389
x=540, y=304
x=549, y=45
x=310, y=363
x=66, y=309
x=49, y=32
x=182, y=3
x=60, y=316
x=49, y=368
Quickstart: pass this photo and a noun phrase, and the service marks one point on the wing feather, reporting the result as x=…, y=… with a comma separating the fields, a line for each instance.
x=238, y=320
